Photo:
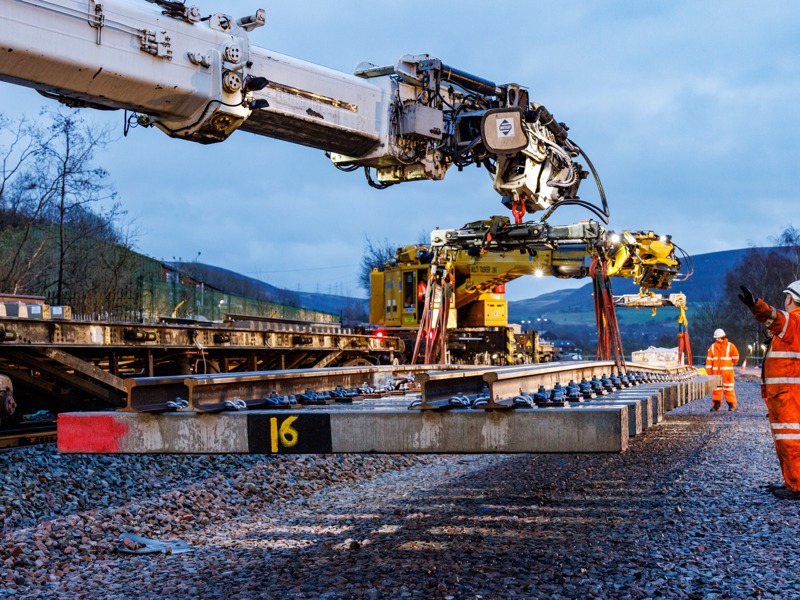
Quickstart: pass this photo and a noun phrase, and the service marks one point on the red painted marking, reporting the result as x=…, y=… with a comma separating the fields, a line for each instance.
x=93, y=433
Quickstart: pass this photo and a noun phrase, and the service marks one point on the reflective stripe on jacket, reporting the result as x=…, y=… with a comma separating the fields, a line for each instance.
x=721, y=357
x=782, y=361
x=781, y=386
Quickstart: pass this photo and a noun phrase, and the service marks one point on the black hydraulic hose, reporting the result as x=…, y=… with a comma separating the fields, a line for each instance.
x=598, y=183
x=458, y=157
x=547, y=120
x=577, y=202
x=347, y=168
x=470, y=82
x=177, y=7
x=689, y=266
x=376, y=184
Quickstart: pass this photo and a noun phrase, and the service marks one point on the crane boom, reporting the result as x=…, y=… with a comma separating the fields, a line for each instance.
x=190, y=77
x=198, y=77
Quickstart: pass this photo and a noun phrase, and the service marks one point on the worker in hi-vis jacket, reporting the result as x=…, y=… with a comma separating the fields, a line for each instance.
x=720, y=360
x=780, y=385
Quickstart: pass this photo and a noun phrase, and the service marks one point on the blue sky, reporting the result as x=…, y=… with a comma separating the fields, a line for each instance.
x=687, y=109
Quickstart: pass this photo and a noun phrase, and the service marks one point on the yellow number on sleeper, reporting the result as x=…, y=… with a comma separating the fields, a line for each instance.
x=286, y=435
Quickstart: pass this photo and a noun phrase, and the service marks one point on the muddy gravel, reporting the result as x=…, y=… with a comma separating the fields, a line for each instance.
x=681, y=514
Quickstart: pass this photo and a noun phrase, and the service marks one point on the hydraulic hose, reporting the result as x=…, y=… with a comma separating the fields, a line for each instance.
x=470, y=82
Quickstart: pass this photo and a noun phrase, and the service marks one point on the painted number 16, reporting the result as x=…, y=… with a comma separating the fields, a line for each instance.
x=284, y=435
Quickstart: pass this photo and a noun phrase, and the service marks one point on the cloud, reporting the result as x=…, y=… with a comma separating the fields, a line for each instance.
x=687, y=109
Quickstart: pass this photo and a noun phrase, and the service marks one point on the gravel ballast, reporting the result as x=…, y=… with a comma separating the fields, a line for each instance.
x=681, y=514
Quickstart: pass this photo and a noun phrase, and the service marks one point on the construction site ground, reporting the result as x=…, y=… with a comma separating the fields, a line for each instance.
x=683, y=513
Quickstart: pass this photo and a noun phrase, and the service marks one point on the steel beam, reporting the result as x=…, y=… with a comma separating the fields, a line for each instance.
x=66, y=377
x=81, y=366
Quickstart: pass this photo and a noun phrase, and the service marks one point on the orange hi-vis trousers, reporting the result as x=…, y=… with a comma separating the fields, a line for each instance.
x=721, y=358
x=781, y=387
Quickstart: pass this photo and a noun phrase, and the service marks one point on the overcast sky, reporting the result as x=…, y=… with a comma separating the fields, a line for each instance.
x=688, y=110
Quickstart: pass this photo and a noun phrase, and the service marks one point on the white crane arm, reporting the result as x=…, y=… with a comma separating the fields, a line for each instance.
x=199, y=78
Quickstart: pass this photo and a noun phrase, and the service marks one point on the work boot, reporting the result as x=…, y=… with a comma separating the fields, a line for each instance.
x=784, y=494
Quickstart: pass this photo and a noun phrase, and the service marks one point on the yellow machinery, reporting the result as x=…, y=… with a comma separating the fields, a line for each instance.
x=471, y=266
x=477, y=326
x=655, y=301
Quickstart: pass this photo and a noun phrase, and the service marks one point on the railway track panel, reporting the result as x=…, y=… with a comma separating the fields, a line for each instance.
x=63, y=364
x=405, y=424
x=501, y=384
x=210, y=393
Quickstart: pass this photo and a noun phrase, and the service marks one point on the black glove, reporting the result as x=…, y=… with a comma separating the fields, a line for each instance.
x=747, y=297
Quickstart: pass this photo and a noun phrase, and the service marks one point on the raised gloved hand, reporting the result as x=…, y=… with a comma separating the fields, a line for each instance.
x=747, y=297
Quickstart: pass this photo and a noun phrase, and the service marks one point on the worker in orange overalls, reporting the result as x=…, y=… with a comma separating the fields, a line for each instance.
x=422, y=289
x=720, y=360
x=780, y=382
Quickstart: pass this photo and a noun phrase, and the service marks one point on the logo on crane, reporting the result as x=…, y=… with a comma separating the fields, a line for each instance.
x=505, y=127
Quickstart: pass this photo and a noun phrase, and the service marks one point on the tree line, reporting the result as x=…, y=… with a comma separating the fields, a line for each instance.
x=766, y=272
x=59, y=215
x=63, y=234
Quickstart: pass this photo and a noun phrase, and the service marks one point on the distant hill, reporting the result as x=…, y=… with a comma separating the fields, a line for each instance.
x=569, y=314
x=235, y=283
x=709, y=272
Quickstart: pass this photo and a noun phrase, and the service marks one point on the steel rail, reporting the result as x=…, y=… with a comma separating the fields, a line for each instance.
x=210, y=393
x=217, y=392
x=502, y=384
x=28, y=435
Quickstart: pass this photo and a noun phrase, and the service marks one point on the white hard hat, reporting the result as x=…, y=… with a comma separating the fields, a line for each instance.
x=718, y=333
x=793, y=289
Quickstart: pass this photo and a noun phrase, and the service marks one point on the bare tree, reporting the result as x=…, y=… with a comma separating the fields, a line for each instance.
x=58, y=213
x=22, y=145
x=75, y=184
x=788, y=243
x=376, y=255
x=766, y=272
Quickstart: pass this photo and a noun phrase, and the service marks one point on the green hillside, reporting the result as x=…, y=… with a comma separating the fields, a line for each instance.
x=570, y=314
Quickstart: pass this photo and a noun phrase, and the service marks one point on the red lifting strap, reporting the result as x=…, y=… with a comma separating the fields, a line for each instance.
x=422, y=332
x=433, y=331
x=609, y=341
x=684, y=348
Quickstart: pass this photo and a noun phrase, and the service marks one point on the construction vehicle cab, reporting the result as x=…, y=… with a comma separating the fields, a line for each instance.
x=478, y=331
